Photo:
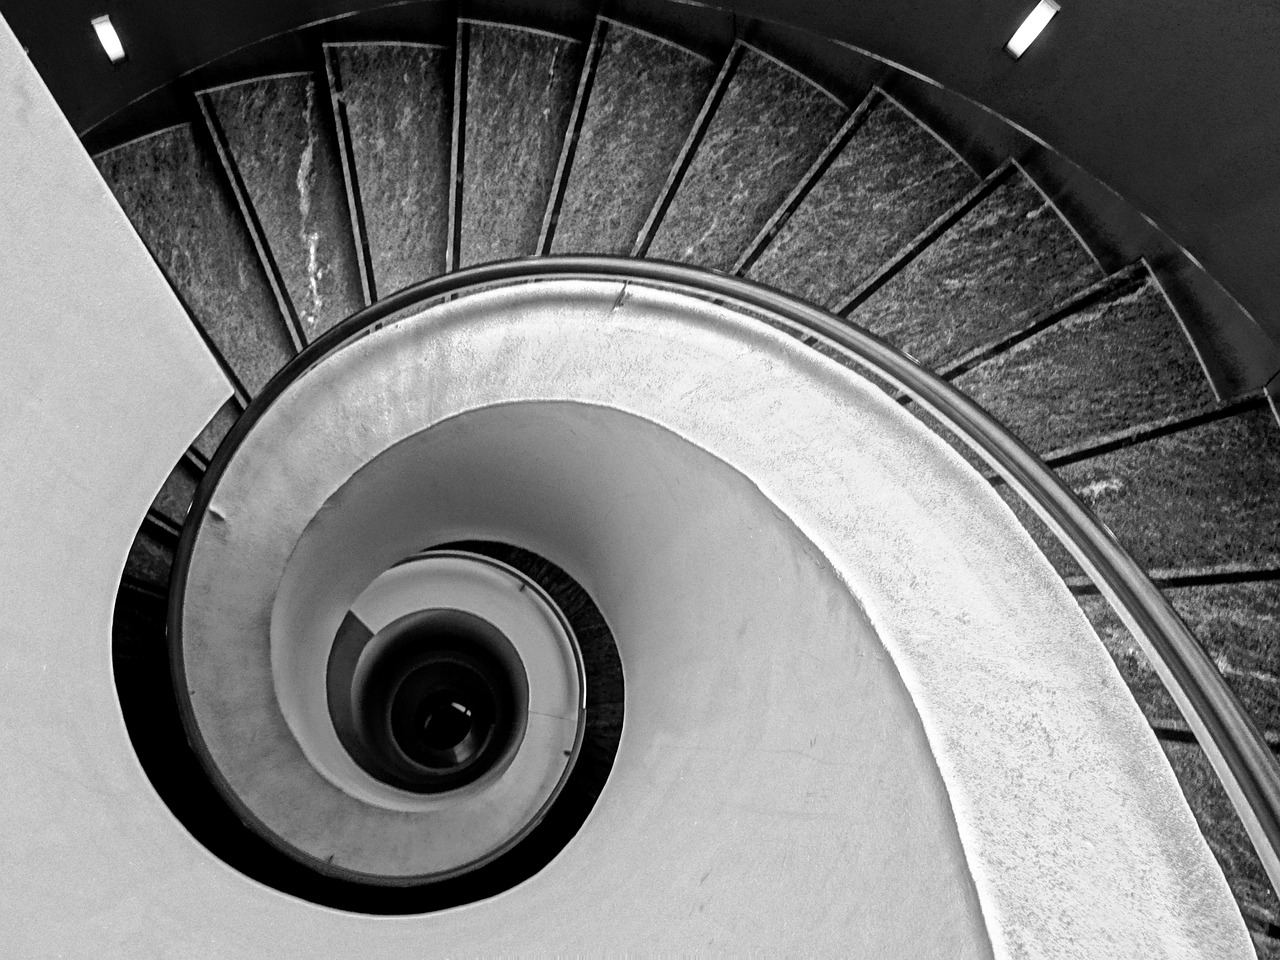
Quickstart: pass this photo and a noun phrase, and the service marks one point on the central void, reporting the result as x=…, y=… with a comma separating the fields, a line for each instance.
x=769, y=747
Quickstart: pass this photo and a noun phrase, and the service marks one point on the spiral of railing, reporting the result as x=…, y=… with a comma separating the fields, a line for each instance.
x=1241, y=758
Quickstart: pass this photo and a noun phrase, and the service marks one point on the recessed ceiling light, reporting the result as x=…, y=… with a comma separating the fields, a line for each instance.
x=1036, y=21
x=108, y=37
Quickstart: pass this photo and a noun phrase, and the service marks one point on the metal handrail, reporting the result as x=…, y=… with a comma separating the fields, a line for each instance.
x=1236, y=749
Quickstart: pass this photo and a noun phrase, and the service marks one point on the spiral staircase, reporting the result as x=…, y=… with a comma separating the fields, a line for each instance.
x=288, y=201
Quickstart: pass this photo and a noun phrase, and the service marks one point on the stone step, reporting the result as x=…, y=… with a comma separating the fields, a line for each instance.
x=1120, y=362
x=767, y=128
x=886, y=179
x=276, y=138
x=396, y=103
x=206, y=445
x=519, y=90
x=645, y=94
x=150, y=558
x=1197, y=497
x=178, y=491
x=173, y=192
x=1008, y=260
x=1239, y=626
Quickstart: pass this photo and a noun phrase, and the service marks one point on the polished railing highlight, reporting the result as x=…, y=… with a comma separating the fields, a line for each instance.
x=1240, y=756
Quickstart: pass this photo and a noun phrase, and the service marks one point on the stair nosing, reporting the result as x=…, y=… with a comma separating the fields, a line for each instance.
x=655, y=36
x=287, y=75
x=759, y=244
x=350, y=179
x=1113, y=284
x=794, y=70
x=680, y=166
x=922, y=241
x=1097, y=261
x=476, y=22
x=416, y=44
x=928, y=129
x=249, y=218
x=568, y=146
x=187, y=124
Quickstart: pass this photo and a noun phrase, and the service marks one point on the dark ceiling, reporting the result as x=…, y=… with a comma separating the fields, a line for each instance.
x=1172, y=103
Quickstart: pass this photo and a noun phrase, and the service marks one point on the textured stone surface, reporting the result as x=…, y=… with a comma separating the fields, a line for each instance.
x=173, y=195
x=399, y=107
x=175, y=496
x=1198, y=497
x=207, y=443
x=889, y=182
x=520, y=90
x=1008, y=260
x=1223, y=830
x=644, y=99
x=768, y=129
x=1122, y=362
x=1238, y=625
x=150, y=559
x=280, y=142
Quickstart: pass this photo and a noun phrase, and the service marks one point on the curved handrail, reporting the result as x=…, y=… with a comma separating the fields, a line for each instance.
x=1241, y=758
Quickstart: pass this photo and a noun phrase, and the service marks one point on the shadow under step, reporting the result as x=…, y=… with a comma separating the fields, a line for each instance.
x=763, y=126
x=175, y=197
x=276, y=139
x=883, y=180
x=394, y=105
x=517, y=91
x=644, y=96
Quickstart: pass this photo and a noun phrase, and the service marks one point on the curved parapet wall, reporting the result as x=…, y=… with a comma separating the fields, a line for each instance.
x=547, y=409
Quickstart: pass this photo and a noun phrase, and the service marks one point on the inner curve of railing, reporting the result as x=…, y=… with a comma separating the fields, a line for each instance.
x=1240, y=756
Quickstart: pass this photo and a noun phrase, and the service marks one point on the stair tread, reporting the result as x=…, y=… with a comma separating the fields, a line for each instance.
x=643, y=102
x=1237, y=625
x=280, y=141
x=519, y=97
x=766, y=132
x=1124, y=360
x=173, y=195
x=1223, y=830
x=176, y=494
x=1197, y=497
x=150, y=560
x=398, y=111
x=211, y=436
x=890, y=181
x=1004, y=263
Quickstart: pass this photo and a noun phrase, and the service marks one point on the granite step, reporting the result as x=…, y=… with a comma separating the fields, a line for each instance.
x=394, y=103
x=206, y=445
x=1239, y=626
x=768, y=126
x=519, y=87
x=178, y=491
x=276, y=138
x=1197, y=497
x=1224, y=832
x=885, y=180
x=173, y=193
x=1005, y=262
x=645, y=94
x=1121, y=362
x=150, y=558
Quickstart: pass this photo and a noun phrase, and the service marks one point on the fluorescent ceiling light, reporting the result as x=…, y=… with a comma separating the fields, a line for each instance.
x=109, y=39
x=1036, y=21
